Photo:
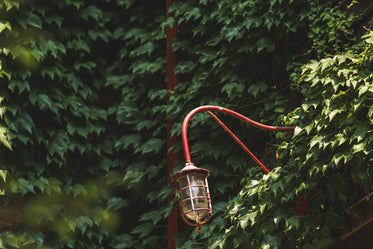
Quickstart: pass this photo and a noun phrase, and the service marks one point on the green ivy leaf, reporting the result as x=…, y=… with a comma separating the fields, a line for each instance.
x=82, y=222
x=265, y=44
x=29, y=19
x=293, y=222
x=153, y=216
x=5, y=25
x=91, y=11
x=9, y=238
x=228, y=88
x=247, y=219
x=271, y=241
x=143, y=230
x=133, y=140
x=118, y=203
x=360, y=132
x=123, y=241
x=152, y=145
x=257, y=88
x=3, y=138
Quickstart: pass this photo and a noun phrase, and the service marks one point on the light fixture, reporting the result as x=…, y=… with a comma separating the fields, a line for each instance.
x=194, y=194
x=191, y=181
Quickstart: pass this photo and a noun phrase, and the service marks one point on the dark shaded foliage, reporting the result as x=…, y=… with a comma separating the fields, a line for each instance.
x=83, y=120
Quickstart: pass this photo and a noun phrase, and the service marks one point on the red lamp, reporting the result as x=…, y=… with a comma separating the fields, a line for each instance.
x=194, y=194
x=191, y=181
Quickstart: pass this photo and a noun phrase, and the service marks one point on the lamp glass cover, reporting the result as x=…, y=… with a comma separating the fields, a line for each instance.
x=194, y=197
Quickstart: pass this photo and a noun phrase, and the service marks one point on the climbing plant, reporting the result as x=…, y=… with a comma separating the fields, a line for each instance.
x=79, y=140
x=249, y=56
x=83, y=115
x=301, y=204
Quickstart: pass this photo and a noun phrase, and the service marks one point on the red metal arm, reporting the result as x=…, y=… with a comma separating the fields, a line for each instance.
x=239, y=142
x=209, y=108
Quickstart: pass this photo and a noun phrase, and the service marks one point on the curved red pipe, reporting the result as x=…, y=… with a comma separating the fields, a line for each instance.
x=233, y=114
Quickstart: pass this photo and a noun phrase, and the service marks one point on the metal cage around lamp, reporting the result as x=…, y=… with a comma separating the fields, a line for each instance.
x=194, y=195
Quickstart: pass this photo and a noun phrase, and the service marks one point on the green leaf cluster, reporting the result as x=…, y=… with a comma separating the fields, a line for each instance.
x=84, y=109
x=256, y=57
x=301, y=204
x=78, y=141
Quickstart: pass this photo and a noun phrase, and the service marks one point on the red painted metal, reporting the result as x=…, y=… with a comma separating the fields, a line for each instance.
x=239, y=142
x=228, y=112
x=172, y=81
x=178, y=179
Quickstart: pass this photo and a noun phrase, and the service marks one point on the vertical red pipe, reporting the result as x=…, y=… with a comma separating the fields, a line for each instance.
x=172, y=80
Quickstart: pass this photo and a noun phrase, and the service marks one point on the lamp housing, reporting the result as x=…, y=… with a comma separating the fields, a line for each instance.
x=193, y=193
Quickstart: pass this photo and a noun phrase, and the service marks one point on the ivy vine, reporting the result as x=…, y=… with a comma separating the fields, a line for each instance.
x=83, y=120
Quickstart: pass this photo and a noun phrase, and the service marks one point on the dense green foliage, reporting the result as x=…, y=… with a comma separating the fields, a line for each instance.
x=331, y=148
x=83, y=140
x=242, y=55
x=83, y=120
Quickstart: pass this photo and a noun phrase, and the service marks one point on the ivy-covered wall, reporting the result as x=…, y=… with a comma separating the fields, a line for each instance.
x=251, y=57
x=83, y=116
x=82, y=122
